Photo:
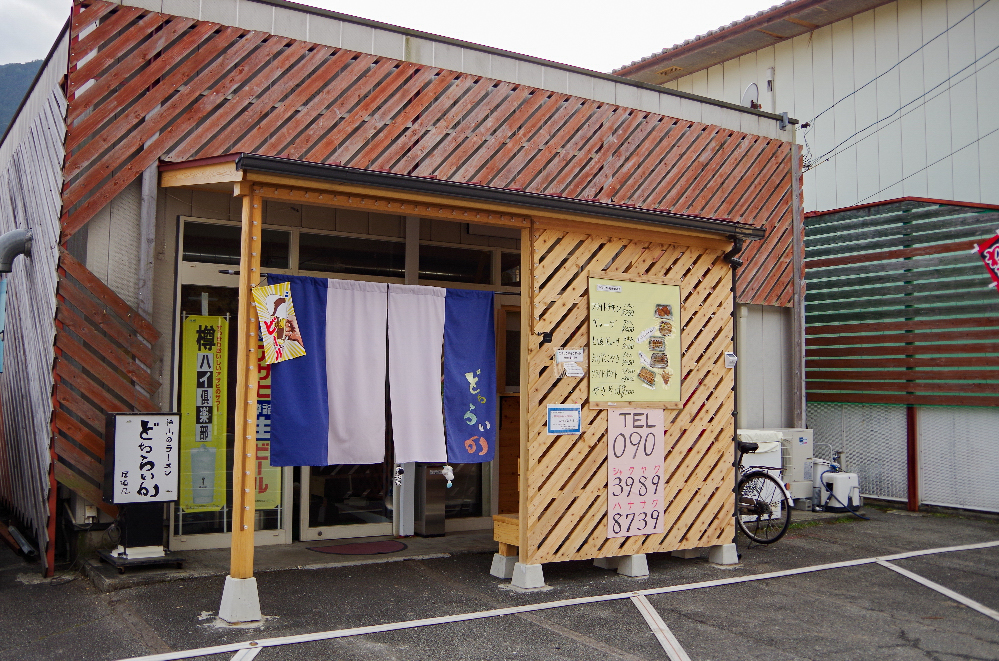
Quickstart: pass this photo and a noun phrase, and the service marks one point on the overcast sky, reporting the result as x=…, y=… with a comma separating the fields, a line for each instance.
x=600, y=35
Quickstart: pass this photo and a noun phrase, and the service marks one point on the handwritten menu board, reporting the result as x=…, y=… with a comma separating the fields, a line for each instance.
x=634, y=343
x=635, y=481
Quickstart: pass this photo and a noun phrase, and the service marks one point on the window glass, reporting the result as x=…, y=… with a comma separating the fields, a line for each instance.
x=219, y=244
x=341, y=254
x=510, y=269
x=455, y=265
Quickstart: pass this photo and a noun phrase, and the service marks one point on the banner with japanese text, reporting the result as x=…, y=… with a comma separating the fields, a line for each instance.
x=268, y=478
x=203, y=412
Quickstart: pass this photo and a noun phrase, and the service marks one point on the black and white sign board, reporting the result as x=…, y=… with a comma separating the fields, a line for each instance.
x=140, y=474
x=143, y=448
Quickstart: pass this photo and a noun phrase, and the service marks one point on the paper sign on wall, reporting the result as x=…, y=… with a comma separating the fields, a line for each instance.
x=569, y=362
x=635, y=481
x=634, y=342
x=564, y=419
x=278, y=325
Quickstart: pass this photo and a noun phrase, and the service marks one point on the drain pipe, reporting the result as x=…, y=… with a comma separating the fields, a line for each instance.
x=735, y=263
x=12, y=244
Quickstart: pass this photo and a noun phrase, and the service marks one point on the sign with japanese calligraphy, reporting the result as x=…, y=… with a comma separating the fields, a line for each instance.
x=989, y=252
x=635, y=481
x=634, y=343
x=142, y=452
x=278, y=324
x=203, y=410
x=267, y=478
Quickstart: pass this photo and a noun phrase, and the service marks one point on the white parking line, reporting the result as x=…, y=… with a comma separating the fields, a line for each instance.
x=246, y=655
x=497, y=612
x=970, y=603
x=658, y=626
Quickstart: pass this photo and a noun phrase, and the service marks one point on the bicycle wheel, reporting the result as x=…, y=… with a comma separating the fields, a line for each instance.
x=764, y=508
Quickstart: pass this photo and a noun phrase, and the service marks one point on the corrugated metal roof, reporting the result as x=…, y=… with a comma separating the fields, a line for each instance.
x=765, y=28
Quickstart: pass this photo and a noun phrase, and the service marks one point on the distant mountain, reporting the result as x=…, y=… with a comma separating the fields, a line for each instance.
x=14, y=82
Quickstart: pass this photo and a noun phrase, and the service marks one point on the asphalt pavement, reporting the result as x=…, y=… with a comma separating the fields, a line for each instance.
x=858, y=612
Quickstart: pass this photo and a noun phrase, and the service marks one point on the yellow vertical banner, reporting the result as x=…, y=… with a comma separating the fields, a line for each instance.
x=268, y=478
x=203, y=413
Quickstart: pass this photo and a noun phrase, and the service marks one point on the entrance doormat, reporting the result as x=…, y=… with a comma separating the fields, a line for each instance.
x=362, y=548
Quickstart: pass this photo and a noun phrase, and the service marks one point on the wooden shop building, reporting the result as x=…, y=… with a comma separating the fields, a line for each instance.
x=157, y=129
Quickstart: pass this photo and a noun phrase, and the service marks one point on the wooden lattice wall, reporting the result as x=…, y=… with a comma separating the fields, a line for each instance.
x=145, y=86
x=564, y=482
x=103, y=361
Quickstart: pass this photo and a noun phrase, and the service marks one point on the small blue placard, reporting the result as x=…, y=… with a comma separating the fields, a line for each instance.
x=564, y=419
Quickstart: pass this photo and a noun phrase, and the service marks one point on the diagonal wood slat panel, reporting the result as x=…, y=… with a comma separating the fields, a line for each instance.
x=103, y=364
x=159, y=86
x=566, y=490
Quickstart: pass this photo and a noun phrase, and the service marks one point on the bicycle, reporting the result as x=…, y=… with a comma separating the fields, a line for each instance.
x=764, y=507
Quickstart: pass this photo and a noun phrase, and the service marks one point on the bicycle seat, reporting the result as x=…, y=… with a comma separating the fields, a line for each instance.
x=748, y=447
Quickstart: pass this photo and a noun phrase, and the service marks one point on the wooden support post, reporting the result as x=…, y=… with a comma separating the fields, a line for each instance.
x=526, y=338
x=912, y=458
x=244, y=450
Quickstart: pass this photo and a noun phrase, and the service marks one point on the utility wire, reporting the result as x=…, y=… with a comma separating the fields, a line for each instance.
x=949, y=28
x=930, y=165
x=836, y=151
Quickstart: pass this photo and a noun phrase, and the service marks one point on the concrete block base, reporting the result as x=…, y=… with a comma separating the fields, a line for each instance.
x=626, y=565
x=240, y=602
x=688, y=554
x=635, y=566
x=503, y=566
x=724, y=554
x=528, y=577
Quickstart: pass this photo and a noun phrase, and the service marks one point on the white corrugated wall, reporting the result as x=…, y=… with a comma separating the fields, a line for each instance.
x=31, y=160
x=925, y=81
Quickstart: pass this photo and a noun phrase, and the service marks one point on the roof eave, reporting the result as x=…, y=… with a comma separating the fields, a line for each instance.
x=399, y=182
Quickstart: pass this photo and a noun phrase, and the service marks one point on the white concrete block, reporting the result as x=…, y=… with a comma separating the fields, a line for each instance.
x=626, y=95
x=240, y=602
x=389, y=44
x=606, y=563
x=603, y=90
x=690, y=109
x=527, y=577
x=475, y=62
x=724, y=554
x=188, y=8
x=648, y=100
x=357, y=37
x=324, y=30
x=503, y=566
x=633, y=565
x=669, y=104
x=152, y=5
x=503, y=68
x=580, y=85
x=447, y=56
x=291, y=23
x=688, y=554
x=419, y=50
x=529, y=73
x=556, y=80
x=255, y=16
x=219, y=11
